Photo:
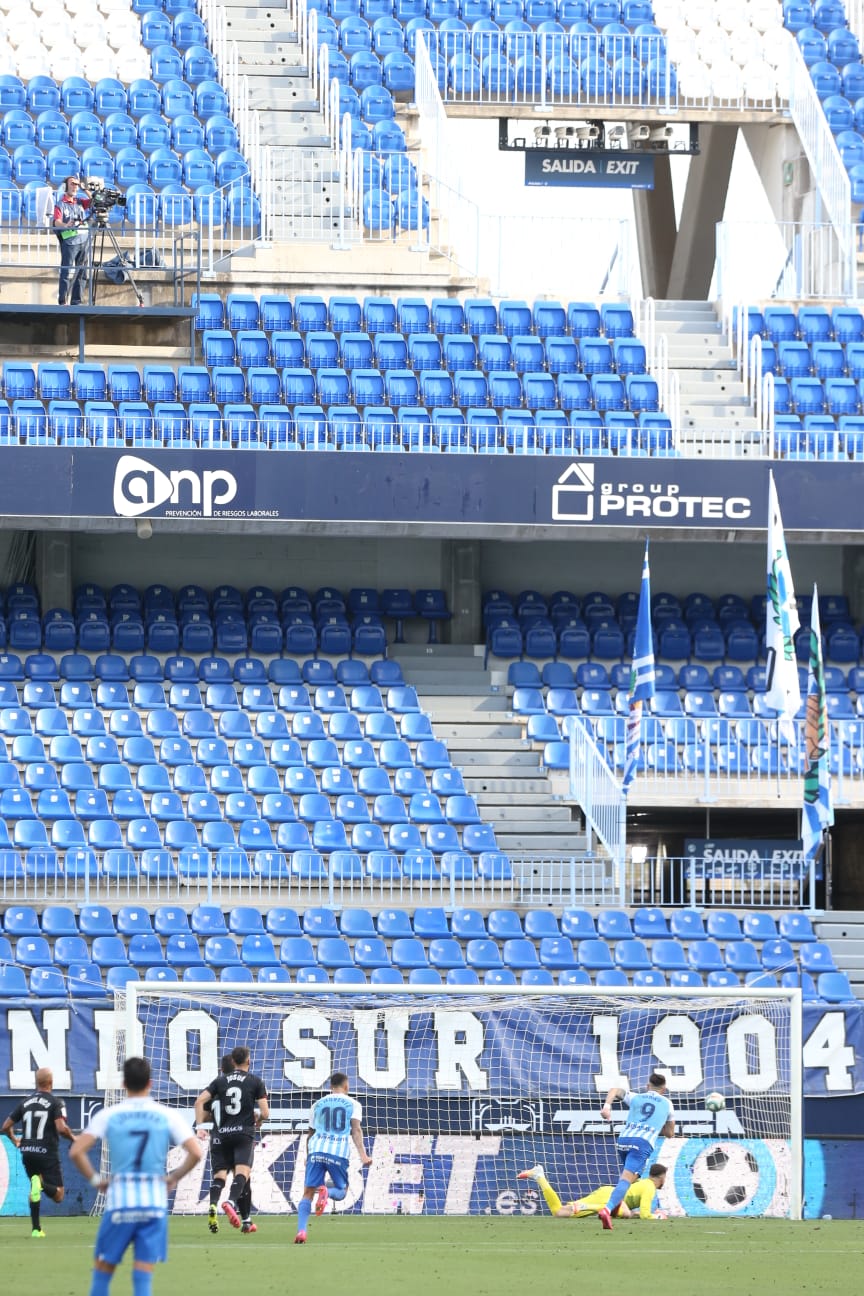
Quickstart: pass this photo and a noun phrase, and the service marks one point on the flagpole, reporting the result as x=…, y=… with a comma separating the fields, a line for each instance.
x=782, y=689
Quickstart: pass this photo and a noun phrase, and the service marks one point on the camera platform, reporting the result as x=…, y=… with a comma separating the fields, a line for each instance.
x=58, y=325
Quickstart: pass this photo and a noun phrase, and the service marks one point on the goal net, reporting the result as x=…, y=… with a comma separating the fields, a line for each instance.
x=462, y=1088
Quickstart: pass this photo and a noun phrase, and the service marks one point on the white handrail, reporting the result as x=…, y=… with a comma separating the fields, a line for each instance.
x=595, y=789
x=855, y=17
x=768, y=410
x=826, y=164
x=647, y=316
x=674, y=407
x=661, y=369
x=754, y=377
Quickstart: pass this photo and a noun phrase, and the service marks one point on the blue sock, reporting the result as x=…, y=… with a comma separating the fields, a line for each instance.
x=618, y=1194
x=142, y=1282
x=304, y=1210
x=101, y=1283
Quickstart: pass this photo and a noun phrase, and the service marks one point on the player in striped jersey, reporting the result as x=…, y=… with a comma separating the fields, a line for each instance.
x=650, y=1116
x=335, y=1123
x=138, y=1133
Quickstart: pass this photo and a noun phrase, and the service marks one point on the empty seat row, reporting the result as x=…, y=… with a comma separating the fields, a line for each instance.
x=427, y=923
x=147, y=669
x=84, y=980
x=442, y=316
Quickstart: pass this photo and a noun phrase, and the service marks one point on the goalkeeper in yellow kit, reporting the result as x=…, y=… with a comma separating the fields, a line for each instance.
x=639, y=1200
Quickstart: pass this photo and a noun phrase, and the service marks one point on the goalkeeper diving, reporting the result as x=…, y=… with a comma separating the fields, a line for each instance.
x=640, y=1199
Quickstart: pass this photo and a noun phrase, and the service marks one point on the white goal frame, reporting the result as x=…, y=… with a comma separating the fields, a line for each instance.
x=129, y=1033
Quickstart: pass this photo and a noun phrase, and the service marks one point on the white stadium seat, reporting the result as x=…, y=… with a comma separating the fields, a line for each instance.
x=99, y=61
x=727, y=84
x=32, y=62
x=760, y=81
x=66, y=63
x=90, y=32
x=765, y=15
x=132, y=62
x=122, y=29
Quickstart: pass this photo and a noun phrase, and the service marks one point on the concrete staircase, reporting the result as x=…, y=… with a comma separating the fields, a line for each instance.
x=280, y=91
x=715, y=408
x=844, y=934
x=472, y=715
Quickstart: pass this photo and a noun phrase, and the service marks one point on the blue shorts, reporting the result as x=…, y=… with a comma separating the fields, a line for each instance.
x=317, y=1167
x=149, y=1237
x=635, y=1154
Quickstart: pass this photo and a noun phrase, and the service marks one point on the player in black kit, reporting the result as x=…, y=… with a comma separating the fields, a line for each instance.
x=232, y=1099
x=42, y=1118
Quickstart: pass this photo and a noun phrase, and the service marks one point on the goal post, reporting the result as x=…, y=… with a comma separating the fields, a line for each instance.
x=463, y=1087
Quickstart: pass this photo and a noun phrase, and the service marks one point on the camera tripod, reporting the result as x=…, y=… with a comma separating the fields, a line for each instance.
x=96, y=257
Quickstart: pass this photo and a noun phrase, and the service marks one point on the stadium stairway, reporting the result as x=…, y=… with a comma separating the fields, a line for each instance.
x=305, y=189
x=279, y=84
x=472, y=713
x=715, y=407
x=843, y=933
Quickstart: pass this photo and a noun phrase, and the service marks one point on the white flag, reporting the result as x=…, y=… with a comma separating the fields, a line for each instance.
x=783, y=691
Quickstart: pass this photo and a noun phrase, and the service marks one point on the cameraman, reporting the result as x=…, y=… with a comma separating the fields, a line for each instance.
x=70, y=226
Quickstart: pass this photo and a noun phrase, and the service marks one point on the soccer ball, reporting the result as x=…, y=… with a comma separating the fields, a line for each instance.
x=725, y=1177
x=715, y=1102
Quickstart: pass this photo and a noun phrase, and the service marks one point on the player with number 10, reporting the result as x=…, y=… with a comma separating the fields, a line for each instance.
x=335, y=1123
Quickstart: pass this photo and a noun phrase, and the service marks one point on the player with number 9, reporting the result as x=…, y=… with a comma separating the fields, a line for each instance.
x=650, y=1116
x=334, y=1123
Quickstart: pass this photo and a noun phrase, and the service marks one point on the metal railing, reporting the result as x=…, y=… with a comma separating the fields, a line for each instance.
x=588, y=880
x=275, y=427
x=721, y=759
x=694, y=882
x=534, y=881
x=787, y=260
x=235, y=84
x=829, y=173
x=157, y=256
x=593, y=71
x=596, y=791
x=307, y=195
x=221, y=223
x=511, y=252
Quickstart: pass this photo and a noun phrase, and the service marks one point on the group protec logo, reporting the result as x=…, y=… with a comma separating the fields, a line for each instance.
x=140, y=487
x=578, y=496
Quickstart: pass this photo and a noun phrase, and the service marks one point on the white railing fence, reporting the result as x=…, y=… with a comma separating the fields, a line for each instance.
x=671, y=881
x=547, y=70
x=786, y=260
x=596, y=791
x=829, y=173
x=539, y=881
x=855, y=17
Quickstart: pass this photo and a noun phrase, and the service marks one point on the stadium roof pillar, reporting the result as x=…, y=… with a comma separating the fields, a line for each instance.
x=53, y=563
x=654, y=212
x=678, y=263
x=462, y=580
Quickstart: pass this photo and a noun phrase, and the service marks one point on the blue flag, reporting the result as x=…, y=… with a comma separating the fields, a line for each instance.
x=641, y=677
x=818, y=813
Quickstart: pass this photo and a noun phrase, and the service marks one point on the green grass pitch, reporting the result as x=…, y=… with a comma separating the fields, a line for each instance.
x=374, y=1256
